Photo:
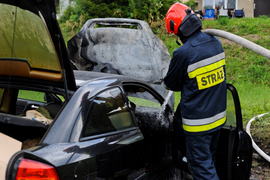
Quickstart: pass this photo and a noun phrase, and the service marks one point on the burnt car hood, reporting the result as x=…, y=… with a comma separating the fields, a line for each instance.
x=32, y=49
x=120, y=46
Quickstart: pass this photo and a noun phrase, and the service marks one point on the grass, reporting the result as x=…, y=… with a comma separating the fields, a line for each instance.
x=31, y=95
x=254, y=99
x=144, y=102
x=263, y=124
x=35, y=96
x=242, y=26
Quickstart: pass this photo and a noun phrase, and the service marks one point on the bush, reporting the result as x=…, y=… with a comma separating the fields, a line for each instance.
x=263, y=17
x=151, y=11
x=191, y=4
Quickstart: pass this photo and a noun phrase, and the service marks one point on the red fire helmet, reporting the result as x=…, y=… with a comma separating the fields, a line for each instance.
x=181, y=17
x=174, y=17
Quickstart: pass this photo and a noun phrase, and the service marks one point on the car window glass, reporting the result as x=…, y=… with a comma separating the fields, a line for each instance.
x=108, y=112
x=32, y=44
x=231, y=114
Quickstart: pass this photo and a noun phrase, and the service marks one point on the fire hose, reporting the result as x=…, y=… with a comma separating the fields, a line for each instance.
x=256, y=48
x=239, y=40
x=263, y=154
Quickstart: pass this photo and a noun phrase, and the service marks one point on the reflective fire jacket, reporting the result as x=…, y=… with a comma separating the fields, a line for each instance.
x=197, y=69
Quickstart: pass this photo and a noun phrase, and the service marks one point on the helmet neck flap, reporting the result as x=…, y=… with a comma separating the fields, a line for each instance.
x=190, y=24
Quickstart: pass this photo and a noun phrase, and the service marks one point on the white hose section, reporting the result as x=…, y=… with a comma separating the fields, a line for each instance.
x=263, y=154
x=256, y=48
x=239, y=40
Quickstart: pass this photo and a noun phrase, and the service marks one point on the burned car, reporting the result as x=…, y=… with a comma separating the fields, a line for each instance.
x=121, y=46
x=90, y=125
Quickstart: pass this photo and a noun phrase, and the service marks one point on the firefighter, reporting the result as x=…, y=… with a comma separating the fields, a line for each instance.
x=197, y=69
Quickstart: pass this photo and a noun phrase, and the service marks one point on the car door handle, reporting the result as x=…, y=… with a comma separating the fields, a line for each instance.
x=114, y=142
x=34, y=106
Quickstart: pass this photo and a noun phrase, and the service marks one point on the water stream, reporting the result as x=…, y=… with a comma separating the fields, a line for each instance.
x=170, y=93
x=164, y=111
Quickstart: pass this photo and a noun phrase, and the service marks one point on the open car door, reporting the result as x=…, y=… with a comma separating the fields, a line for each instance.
x=234, y=155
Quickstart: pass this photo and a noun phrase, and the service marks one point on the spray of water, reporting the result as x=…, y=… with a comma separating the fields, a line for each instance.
x=170, y=93
x=162, y=114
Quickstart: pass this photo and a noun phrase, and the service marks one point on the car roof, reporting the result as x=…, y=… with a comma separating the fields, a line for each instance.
x=84, y=77
x=32, y=47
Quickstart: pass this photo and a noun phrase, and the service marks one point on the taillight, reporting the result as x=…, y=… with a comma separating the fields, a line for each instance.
x=33, y=170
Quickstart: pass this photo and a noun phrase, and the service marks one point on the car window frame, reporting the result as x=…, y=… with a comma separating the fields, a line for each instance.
x=2, y=92
x=104, y=134
x=237, y=106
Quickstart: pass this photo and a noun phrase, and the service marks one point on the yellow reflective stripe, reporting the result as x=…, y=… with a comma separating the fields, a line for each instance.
x=204, y=127
x=207, y=68
x=210, y=79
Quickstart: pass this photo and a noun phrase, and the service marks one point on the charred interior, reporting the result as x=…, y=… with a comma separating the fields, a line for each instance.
x=27, y=120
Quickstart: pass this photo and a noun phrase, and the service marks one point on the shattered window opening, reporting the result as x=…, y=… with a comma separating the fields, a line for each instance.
x=117, y=25
x=141, y=97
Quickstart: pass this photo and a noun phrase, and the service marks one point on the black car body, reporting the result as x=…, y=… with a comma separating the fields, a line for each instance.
x=104, y=126
x=96, y=134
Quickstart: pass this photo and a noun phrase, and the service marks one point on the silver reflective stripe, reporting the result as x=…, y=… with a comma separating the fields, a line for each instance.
x=199, y=122
x=205, y=62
